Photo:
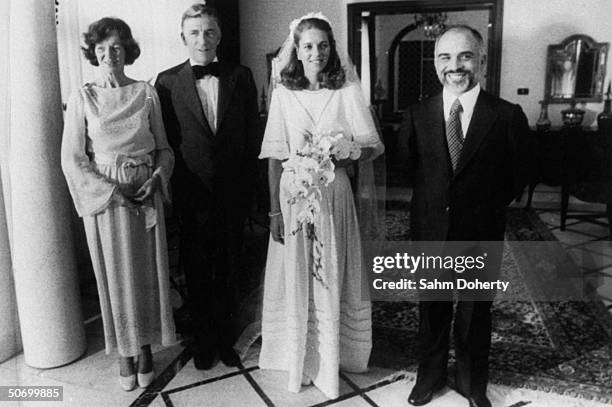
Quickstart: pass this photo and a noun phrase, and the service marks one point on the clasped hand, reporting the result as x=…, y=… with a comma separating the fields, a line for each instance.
x=146, y=191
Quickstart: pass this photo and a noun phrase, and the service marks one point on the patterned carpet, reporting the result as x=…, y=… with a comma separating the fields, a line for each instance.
x=564, y=347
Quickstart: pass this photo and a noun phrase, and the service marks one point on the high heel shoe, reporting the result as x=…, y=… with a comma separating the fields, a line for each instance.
x=306, y=381
x=145, y=360
x=127, y=383
x=145, y=379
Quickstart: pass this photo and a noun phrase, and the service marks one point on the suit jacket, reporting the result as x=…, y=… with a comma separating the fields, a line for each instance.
x=211, y=170
x=470, y=203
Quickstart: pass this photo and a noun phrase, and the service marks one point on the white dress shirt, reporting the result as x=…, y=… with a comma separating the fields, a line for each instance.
x=208, y=91
x=467, y=100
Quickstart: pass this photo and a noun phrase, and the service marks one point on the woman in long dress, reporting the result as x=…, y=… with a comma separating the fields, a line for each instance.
x=314, y=327
x=117, y=163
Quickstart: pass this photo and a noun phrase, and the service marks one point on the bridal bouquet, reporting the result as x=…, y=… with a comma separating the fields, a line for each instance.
x=313, y=169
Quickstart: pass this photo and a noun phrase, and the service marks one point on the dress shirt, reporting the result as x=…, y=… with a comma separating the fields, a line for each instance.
x=208, y=91
x=468, y=101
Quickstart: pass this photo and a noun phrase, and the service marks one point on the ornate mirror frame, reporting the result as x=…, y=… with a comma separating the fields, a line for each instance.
x=576, y=70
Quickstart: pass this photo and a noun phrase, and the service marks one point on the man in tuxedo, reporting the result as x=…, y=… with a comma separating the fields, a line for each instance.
x=210, y=113
x=469, y=154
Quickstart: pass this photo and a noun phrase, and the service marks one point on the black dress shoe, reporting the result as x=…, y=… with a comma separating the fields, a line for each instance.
x=420, y=397
x=479, y=401
x=205, y=359
x=229, y=357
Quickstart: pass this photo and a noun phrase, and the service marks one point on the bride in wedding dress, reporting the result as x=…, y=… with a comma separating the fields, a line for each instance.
x=313, y=327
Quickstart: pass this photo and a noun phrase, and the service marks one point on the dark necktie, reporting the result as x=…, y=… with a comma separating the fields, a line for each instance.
x=200, y=71
x=454, y=134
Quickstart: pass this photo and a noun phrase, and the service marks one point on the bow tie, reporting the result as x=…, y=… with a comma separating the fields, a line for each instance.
x=200, y=71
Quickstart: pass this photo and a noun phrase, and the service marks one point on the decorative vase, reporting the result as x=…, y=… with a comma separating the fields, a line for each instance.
x=543, y=122
x=572, y=117
x=604, y=119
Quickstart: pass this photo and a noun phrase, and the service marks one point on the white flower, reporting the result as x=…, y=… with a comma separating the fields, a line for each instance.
x=313, y=193
x=326, y=177
x=341, y=149
x=292, y=163
x=355, y=152
x=311, y=169
x=325, y=144
x=327, y=165
x=298, y=189
x=344, y=147
x=306, y=217
x=309, y=164
x=315, y=206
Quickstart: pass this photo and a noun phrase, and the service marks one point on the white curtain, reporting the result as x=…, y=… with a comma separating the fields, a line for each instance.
x=365, y=57
x=155, y=25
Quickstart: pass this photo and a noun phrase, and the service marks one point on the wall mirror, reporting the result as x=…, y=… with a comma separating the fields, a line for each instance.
x=576, y=70
x=400, y=37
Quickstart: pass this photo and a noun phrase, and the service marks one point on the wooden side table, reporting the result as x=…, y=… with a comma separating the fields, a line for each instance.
x=562, y=153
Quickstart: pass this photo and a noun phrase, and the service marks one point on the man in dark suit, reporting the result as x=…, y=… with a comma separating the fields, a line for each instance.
x=469, y=154
x=210, y=114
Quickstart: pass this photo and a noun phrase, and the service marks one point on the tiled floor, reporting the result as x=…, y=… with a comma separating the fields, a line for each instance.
x=91, y=381
x=589, y=243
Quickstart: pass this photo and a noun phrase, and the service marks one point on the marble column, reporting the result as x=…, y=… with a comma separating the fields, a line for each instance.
x=44, y=265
